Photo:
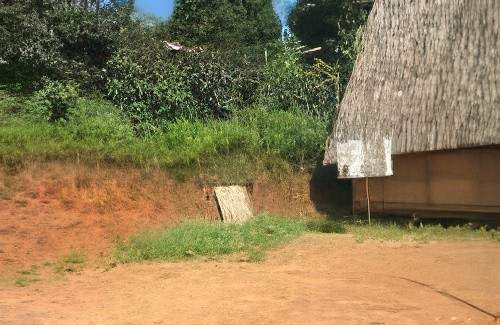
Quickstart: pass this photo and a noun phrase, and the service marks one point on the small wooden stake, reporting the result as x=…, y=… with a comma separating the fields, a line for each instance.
x=368, y=200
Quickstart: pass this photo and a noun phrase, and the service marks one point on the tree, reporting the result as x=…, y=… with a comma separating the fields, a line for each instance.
x=224, y=23
x=60, y=38
x=27, y=45
x=327, y=23
x=336, y=26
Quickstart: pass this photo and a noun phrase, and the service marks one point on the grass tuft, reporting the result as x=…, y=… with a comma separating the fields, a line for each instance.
x=74, y=257
x=71, y=263
x=325, y=226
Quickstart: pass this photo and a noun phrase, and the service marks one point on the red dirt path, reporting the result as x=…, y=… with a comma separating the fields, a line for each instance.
x=318, y=279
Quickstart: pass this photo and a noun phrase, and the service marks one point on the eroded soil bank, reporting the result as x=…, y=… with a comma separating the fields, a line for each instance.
x=51, y=209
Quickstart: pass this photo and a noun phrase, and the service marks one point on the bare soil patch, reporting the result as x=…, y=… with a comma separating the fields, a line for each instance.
x=317, y=279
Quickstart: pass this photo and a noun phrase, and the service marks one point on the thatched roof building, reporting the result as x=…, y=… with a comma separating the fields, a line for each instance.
x=427, y=79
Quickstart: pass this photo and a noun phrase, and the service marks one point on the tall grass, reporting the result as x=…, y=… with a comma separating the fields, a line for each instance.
x=97, y=131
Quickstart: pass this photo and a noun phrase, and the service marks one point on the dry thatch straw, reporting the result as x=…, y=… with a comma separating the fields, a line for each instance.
x=428, y=77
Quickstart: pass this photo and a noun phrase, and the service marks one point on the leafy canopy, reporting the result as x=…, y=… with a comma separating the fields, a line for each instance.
x=224, y=23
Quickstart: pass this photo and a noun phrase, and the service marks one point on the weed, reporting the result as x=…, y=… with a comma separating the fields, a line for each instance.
x=24, y=272
x=22, y=282
x=12, y=165
x=256, y=256
x=6, y=193
x=71, y=263
x=27, y=276
x=31, y=271
x=325, y=226
x=75, y=257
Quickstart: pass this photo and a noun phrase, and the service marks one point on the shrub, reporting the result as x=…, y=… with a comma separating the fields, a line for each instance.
x=288, y=84
x=52, y=102
x=223, y=81
x=149, y=93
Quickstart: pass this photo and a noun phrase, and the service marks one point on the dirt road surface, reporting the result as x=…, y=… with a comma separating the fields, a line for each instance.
x=317, y=279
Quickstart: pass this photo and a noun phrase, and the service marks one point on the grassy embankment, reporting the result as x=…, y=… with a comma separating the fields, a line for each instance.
x=96, y=131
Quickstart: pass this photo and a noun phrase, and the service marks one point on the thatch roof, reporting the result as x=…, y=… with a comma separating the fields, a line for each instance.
x=428, y=78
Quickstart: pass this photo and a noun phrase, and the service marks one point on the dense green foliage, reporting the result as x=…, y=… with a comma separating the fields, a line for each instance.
x=288, y=84
x=90, y=80
x=150, y=93
x=151, y=89
x=28, y=47
x=224, y=23
x=329, y=24
x=52, y=102
x=59, y=40
x=336, y=26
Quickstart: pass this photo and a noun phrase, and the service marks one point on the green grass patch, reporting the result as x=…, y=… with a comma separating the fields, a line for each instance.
x=230, y=150
x=193, y=239
x=397, y=232
x=325, y=226
x=24, y=281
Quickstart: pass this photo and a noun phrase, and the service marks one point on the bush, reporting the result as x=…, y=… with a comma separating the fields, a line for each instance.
x=53, y=101
x=150, y=93
x=288, y=84
x=61, y=40
x=223, y=81
x=154, y=85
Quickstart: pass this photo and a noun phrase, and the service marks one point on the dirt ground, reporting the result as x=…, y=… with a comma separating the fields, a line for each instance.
x=317, y=279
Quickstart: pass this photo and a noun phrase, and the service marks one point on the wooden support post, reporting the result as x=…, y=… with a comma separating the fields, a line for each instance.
x=368, y=200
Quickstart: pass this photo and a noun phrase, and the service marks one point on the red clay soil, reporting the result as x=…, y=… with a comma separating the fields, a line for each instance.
x=50, y=209
x=317, y=279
